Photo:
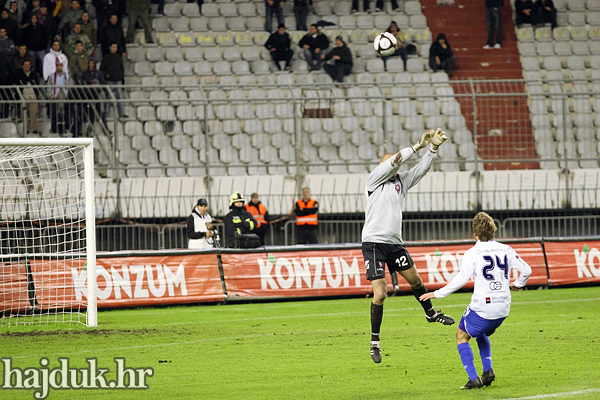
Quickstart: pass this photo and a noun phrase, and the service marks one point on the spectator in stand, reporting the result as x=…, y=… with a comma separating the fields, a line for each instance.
x=78, y=62
x=342, y=61
x=261, y=215
x=54, y=7
x=307, y=220
x=7, y=52
x=57, y=82
x=52, y=59
x=365, y=6
x=546, y=13
x=379, y=6
x=25, y=76
x=138, y=10
x=78, y=36
x=113, y=33
x=313, y=44
x=279, y=44
x=32, y=8
x=400, y=47
x=104, y=9
x=493, y=18
x=87, y=27
x=36, y=38
x=70, y=18
x=525, y=13
x=441, y=56
x=47, y=19
x=94, y=77
x=113, y=69
x=273, y=6
x=22, y=55
x=11, y=26
x=15, y=10
x=301, y=8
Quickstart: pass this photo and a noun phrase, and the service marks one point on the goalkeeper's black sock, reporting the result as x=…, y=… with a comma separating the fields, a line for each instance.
x=427, y=306
x=376, y=316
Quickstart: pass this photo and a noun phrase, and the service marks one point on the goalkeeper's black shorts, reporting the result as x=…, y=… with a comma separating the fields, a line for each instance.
x=377, y=255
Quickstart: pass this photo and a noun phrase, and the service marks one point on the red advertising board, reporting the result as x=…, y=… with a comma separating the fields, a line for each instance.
x=342, y=272
x=13, y=288
x=573, y=262
x=130, y=281
x=295, y=273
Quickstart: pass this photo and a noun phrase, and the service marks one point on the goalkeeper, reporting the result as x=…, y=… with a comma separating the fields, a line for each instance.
x=382, y=232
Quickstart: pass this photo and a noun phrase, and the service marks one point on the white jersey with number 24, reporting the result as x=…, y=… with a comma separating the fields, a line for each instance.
x=490, y=263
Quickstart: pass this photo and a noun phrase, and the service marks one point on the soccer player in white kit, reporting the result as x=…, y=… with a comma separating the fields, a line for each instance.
x=490, y=263
x=382, y=232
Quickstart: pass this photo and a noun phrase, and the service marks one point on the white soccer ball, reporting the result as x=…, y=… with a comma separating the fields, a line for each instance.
x=385, y=44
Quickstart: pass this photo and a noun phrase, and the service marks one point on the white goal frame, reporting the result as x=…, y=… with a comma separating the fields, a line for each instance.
x=90, y=210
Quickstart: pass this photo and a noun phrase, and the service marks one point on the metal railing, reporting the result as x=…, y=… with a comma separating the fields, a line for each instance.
x=497, y=117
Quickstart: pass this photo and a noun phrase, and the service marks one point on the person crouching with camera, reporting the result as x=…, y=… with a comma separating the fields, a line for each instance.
x=239, y=224
x=199, y=227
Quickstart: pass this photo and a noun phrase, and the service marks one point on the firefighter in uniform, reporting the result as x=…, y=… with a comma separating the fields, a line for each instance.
x=238, y=221
x=261, y=215
x=307, y=220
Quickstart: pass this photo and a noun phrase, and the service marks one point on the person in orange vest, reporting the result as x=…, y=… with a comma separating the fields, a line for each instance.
x=261, y=215
x=307, y=220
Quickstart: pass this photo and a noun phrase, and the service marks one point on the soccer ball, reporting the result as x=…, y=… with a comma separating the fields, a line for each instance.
x=385, y=44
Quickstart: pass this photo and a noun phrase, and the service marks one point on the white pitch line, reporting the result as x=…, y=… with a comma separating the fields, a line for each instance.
x=553, y=395
x=174, y=343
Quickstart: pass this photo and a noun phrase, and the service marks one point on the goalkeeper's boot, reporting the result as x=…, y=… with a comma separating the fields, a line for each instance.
x=376, y=352
x=473, y=384
x=440, y=317
x=488, y=377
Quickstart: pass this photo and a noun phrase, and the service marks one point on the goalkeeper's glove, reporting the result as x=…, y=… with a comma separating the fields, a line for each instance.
x=437, y=139
x=424, y=141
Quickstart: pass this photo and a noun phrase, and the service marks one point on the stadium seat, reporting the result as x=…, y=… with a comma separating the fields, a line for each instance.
x=414, y=65
x=412, y=8
x=545, y=48
x=173, y=10
x=255, y=23
x=180, y=24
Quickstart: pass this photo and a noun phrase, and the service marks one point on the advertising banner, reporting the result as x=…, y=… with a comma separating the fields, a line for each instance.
x=130, y=281
x=573, y=262
x=14, y=297
x=295, y=273
x=342, y=272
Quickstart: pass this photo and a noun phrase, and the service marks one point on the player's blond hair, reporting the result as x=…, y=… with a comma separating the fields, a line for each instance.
x=484, y=226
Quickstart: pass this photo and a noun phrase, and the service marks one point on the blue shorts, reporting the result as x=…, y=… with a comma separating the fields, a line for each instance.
x=475, y=325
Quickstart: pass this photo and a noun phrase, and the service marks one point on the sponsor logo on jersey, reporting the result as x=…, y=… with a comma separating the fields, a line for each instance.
x=495, y=285
x=397, y=187
x=496, y=300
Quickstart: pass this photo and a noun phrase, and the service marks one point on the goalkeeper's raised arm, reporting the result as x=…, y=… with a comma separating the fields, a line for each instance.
x=382, y=233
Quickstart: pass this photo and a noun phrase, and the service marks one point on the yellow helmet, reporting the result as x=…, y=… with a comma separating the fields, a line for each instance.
x=234, y=198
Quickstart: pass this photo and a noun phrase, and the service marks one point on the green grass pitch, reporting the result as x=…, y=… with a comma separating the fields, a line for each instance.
x=550, y=344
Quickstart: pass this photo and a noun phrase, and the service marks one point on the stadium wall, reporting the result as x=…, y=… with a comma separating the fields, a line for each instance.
x=131, y=279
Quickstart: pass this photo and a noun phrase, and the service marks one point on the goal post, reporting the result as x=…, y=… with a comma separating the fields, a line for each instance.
x=47, y=232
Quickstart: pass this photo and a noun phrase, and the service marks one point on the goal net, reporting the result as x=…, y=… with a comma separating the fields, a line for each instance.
x=47, y=232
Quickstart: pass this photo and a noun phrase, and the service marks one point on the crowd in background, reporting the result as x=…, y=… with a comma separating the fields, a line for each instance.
x=59, y=43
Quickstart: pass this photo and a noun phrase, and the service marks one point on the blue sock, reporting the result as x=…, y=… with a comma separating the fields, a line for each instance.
x=466, y=356
x=485, y=351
